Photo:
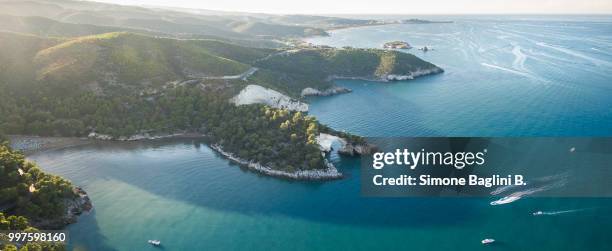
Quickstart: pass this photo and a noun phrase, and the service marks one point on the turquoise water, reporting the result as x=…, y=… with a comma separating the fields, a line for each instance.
x=184, y=194
x=505, y=76
x=190, y=198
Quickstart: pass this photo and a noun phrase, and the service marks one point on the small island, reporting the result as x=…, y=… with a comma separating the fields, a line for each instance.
x=422, y=21
x=397, y=45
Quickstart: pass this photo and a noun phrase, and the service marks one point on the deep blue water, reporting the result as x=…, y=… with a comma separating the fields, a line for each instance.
x=503, y=77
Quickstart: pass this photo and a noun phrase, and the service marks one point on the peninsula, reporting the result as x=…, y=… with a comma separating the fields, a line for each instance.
x=135, y=81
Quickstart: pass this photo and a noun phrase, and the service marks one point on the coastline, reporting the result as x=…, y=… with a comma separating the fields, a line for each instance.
x=392, y=77
x=29, y=144
x=330, y=173
x=34, y=144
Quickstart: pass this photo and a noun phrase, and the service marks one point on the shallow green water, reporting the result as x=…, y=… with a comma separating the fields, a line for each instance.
x=188, y=197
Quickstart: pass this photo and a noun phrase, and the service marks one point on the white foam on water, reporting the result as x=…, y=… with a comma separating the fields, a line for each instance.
x=520, y=73
x=560, y=182
x=538, y=213
x=502, y=189
x=507, y=70
x=595, y=61
x=556, y=212
x=519, y=59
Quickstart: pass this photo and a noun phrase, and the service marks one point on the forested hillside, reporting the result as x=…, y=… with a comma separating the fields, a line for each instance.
x=143, y=79
x=123, y=84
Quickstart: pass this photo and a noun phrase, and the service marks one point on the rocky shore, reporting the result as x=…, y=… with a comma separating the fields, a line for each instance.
x=393, y=77
x=74, y=207
x=328, y=173
x=326, y=141
x=353, y=149
x=309, y=91
x=142, y=136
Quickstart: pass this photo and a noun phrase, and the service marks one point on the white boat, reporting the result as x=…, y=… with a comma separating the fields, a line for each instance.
x=538, y=213
x=487, y=241
x=154, y=242
x=505, y=200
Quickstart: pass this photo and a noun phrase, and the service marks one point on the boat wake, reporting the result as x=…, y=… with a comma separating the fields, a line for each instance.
x=506, y=70
x=517, y=195
x=541, y=185
x=520, y=73
x=502, y=189
x=595, y=61
x=519, y=59
x=538, y=213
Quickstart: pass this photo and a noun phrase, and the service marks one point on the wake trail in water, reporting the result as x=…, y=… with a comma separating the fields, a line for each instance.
x=524, y=74
x=517, y=196
x=519, y=59
x=539, y=213
x=595, y=61
x=555, y=181
x=502, y=189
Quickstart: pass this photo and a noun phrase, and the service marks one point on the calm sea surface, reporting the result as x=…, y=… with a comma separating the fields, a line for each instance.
x=504, y=77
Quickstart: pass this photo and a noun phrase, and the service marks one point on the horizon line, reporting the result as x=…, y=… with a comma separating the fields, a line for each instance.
x=359, y=13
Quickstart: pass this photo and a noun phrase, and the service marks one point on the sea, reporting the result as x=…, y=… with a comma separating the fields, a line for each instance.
x=505, y=76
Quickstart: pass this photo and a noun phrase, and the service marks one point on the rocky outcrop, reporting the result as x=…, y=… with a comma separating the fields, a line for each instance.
x=309, y=91
x=325, y=141
x=413, y=74
x=397, y=45
x=330, y=172
x=74, y=207
x=393, y=77
x=255, y=94
x=352, y=149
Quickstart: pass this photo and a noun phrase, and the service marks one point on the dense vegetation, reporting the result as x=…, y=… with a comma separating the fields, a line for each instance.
x=126, y=83
x=21, y=224
x=122, y=84
x=270, y=136
x=345, y=62
x=28, y=193
x=312, y=67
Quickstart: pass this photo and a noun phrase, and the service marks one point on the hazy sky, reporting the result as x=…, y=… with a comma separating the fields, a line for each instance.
x=387, y=6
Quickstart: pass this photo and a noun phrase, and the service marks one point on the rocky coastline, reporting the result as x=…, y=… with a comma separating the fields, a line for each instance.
x=309, y=91
x=392, y=77
x=143, y=136
x=354, y=149
x=74, y=207
x=329, y=173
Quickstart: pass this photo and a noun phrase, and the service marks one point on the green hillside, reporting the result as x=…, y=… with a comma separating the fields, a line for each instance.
x=298, y=69
x=101, y=62
x=171, y=22
x=122, y=84
x=16, y=54
x=47, y=27
x=30, y=197
x=267, y=29
x=345, y=62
